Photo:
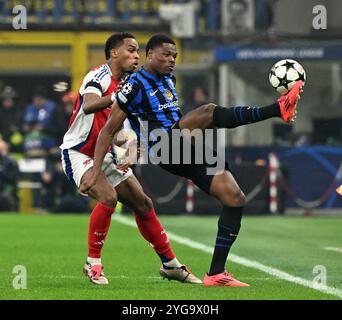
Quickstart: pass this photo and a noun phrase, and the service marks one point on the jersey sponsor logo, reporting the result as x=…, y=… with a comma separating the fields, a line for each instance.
x=126, y=88
x=168, y=105
x=153, y=93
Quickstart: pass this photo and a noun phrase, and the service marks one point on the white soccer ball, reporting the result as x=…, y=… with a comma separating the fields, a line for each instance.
x=284, y=74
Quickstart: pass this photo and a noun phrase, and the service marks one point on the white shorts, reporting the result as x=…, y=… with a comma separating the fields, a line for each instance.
x=76, y=164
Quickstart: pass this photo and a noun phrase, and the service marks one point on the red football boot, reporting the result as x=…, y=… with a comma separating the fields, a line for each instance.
x=223, y=279
x=288, y=102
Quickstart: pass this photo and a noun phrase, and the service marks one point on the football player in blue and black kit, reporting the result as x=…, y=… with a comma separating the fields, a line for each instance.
x=149, y=99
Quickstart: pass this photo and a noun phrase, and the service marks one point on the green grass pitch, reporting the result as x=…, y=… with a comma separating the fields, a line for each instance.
x=53, y=250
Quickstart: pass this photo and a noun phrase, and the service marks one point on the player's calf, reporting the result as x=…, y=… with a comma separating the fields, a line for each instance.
x=229, y=225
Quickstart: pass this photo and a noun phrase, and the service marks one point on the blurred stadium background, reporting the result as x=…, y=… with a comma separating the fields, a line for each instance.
x=227, y=48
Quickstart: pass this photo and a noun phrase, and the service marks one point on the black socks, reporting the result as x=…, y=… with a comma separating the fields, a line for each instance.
x=237, y=116
x=228, y=228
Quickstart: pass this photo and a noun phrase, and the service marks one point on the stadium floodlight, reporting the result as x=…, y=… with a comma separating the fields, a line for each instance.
x=181, y=18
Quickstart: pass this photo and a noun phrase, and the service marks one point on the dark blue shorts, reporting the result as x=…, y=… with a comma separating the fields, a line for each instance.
x=197, y=172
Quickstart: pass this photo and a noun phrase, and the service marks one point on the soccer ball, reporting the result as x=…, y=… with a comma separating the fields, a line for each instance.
x=284, y=74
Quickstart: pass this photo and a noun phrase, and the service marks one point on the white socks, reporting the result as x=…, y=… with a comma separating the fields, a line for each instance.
x=93, y=261
x=174, y=263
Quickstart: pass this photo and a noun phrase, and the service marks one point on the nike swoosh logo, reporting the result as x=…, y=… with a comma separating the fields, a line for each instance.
x=153, y=93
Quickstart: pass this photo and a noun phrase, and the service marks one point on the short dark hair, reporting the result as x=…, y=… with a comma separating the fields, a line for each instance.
x=157, y=40
x=115, y=41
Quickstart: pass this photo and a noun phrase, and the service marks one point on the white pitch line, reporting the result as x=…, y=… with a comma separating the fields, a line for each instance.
x=333, y=249
x=243, y=261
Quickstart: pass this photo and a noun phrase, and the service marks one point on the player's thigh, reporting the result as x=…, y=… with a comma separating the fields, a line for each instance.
x=225, y=188
x=131, y=193
x=102, y=191
x=199, y=118
x=77, y=166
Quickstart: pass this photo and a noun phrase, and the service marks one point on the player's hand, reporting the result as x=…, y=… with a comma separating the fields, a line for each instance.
x=130, y=156
x=87, y=184
x=123, y=165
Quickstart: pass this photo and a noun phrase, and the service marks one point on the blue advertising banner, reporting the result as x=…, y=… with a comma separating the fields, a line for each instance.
x=225, y=54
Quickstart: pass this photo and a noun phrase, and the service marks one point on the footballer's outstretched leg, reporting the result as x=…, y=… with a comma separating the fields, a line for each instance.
x=211, y=115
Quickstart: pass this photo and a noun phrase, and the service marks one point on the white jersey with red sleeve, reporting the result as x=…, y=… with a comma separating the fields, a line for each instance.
x=84, y=128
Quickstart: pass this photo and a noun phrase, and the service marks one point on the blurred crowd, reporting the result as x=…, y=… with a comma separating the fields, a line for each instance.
x=209, y=13
x=34, y=131
x=37, y=128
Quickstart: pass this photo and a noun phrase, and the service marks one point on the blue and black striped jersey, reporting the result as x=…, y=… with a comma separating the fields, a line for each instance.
x=149, y=99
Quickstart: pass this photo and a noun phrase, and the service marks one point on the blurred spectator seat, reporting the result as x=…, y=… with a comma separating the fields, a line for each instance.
x=29, y=185
x=61, y=13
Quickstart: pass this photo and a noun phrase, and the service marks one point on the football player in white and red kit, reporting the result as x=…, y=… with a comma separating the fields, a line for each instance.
x=92, y=107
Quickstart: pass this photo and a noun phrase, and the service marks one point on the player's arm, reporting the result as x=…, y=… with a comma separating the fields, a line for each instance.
x=119, y=111
x=93, y=102
x=112, y=126
x=93, y=99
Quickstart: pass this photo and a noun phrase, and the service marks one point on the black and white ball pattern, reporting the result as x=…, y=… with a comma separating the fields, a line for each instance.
x=284, y=74
x=126, y=88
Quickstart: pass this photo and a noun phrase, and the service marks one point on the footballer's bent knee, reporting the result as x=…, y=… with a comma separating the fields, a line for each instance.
x=233, y=199
x=109, y=199
x=144, y=208
x=208, y=109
